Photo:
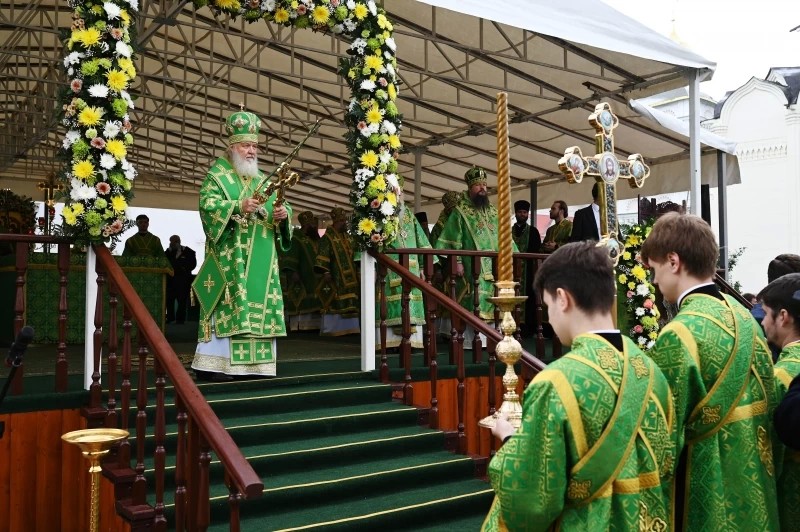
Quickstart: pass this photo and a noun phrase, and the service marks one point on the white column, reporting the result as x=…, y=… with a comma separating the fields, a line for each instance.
x=694, y=142
x=367, y=312
x=91, y=300
x=418, y=180
x=793, y=170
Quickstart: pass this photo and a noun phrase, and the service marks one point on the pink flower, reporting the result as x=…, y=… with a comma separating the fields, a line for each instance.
x=629, y=294
x=116, y=227
x=376, y=237
x=76, y=85
x=98, y=143
x=335, y=3
x=301, y=9
x=103, y=187
x=362, y=125
x=116, y=33
x=638, y=329
x=648, y=303
x=382, y=82
x=375, y=204
x=126, y=126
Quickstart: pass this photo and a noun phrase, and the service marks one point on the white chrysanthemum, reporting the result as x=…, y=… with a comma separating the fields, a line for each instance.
x=650, y=344
x=368, y=85
x=642, y=289
x=80, y=191
x=111, y=129
x=641, y=340
x=388, y=55
x=352, y=105
x=73, y=58
x=72, y=136
x=338, y=28
x=98, y=91
x=392, y=180
x=387, y=209
x=365, y=132
x=390, y=71
x=391, y=44
x=104, y=46
x=123, y=50
x=112, y=10
x=134, y=4
x=639, y=311
x=385, y=157
x=268, y=5
x=349, y=25
x=127, y=97
x=372, y=8
x=351, y=4
x=364, y=173
x=107, y=161
x=388, y=127
x=373, y=128
x=130, y=171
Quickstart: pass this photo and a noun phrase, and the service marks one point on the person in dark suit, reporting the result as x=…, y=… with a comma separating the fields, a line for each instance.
x=183, y=260
x=586, y=224
x=787, y=416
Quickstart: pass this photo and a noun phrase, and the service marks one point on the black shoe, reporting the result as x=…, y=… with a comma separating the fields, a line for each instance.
x=220, y=377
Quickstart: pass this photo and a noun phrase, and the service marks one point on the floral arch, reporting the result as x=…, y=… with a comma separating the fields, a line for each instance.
x=99, y=62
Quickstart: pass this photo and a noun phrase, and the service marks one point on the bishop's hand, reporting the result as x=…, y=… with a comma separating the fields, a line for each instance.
x=280, y=213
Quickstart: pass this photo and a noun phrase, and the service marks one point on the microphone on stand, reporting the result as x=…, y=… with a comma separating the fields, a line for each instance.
x=24, y=337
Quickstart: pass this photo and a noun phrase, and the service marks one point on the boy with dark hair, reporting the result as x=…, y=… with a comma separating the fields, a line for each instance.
x=781, y=303
x=718, y=365
x=595, y=446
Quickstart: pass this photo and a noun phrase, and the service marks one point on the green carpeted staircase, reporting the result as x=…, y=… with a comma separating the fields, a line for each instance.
x=335, y=452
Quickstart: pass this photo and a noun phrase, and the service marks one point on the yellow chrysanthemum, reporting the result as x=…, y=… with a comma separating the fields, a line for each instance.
x=374, y=115
x=89, y=37
x=83, y=169
x=382, y=21
x=394, y=142
x=320, y=15
x=626, y=255
x=653, y=335
x=351, y=74
x=369, y=159
x=77, y=209
x=69, y=216
x=117, y=80
x=392, y=90
x=281, y=15
x=127, y=66
x=118, y=203
x=623, y=278
x=126, y=18
x=631, y=285
x=633, y=240
x=375, y=62
x=379, y=183
x=391, y=197
x=360, y=11
x=366, y=226
x=228, y=4
x=116, y=148
x=90, y=116
x=639, y=272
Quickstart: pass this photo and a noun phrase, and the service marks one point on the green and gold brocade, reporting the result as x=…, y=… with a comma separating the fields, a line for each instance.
x=788, y=473
x=238, y=283
x=143, y=245
x=595, y=449
x=300, y=259
x=719, y=368
x=558, y=233
x=335, y=256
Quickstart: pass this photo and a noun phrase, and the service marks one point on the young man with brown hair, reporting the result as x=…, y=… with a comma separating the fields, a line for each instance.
x=594, y=451
x=781, y=303
x=719, y=367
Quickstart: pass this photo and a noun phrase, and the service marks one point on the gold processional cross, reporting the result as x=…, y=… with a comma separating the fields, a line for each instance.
x=49, y=188
x=606, y=170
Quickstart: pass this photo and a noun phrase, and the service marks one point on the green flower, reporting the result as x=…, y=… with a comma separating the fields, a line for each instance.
x=80, y=150
x=89, y=68
x=373, y=43
x=120, y=107
x=117, y=178
x=301, y=22
x=92, y=219
x=365, y=34
x=391, y=109
x=340, y=13
x=94, y=230
x=128, y=139
x=374, y=140
x=391, y=167
x=380, y=94
x=100, y=203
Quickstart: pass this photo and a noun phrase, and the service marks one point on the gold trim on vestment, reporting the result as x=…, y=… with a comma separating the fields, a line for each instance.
x=570, y=402
x=632, y=486
x=782, y=375
x=686, y=338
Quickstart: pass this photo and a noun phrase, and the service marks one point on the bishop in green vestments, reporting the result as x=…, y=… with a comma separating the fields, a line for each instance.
x=449, y=201
x=238, y=285
x=781, y=303
x=595, y=447
x=302, y=281
x=336, y=262
x=718, y=365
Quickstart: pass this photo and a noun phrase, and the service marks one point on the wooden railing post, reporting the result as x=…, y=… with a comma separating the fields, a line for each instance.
x=21, y=266
x=431, y=361
x=125, y=387
x=140, y=484
x=405, y=342
x=180, y=466
x=62, y=369
x=384, y=370
x=234, y=500
x=111, y=413
x=477, y=344
x=95, y=414
x=203, y=486
x=159, y=455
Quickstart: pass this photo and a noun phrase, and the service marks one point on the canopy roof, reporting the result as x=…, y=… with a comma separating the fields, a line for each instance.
x=555, y=60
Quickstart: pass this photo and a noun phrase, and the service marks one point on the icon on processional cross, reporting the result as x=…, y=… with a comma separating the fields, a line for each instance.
x=606, y=170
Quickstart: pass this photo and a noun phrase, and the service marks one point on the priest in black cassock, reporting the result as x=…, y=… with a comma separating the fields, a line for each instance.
x=528, y=240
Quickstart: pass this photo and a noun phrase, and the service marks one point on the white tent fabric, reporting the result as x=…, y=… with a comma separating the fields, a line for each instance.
x=589, y=22
x=679, y=126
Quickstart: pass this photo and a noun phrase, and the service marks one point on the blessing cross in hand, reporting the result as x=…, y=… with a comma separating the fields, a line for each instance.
x=606, y=169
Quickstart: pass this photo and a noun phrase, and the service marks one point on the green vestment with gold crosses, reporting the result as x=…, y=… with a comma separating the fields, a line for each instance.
x=470, y=228
x=302, y=297
x=595, y=448
x=335, y=256
x=720, y=370
x=786, y=369
x=238, y=285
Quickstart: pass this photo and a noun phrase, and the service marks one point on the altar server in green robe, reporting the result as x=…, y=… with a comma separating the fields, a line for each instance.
x=719, y=368
x=302, y=281
x=594, y=450
x=143, y=243
x=238, y=285
x=781, y=303
x=336, y=263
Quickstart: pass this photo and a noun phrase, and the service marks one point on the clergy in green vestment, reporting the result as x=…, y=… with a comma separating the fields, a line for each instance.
x=595, y=446
x=144, y=243
x=557, y=234
x=716, y=360
x=472, y=226
x=780, y=301
x=409, y=235
x=449, y=201
x=336, y=263
x=238, y=285
x=302, y=282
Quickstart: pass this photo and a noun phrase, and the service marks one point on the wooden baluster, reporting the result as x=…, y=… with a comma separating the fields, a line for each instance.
x=540, y=342
x=124, y=453
x=62, y=367
x=517, y=291
x=405, y=342
x=477, y=344
x=496, y=308
x=192, y=474
x=430, y=346
x=140, y=483
x=461, y=394
x=234, y=499
x=203, y=506
x=180, y=467
x=21, y=265
x=95, y=389
x=111, y=413
x=384, y=372
x=491, y=347
x=455, y=322
x=159, y=455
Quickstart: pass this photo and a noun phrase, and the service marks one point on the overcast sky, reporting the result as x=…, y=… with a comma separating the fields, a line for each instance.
x=744, y=37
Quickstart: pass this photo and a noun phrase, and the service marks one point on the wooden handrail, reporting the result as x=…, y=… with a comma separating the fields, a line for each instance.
x=726, y=288
x=239, y=469
x=35, y=239
x=479, y=325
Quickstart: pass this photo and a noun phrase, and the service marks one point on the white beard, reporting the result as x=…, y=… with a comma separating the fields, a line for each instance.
x=244, y=167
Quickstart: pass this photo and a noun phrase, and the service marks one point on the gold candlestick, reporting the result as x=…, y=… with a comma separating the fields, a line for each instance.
x=509, y=351
x=94, y=444
x=505, y=259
